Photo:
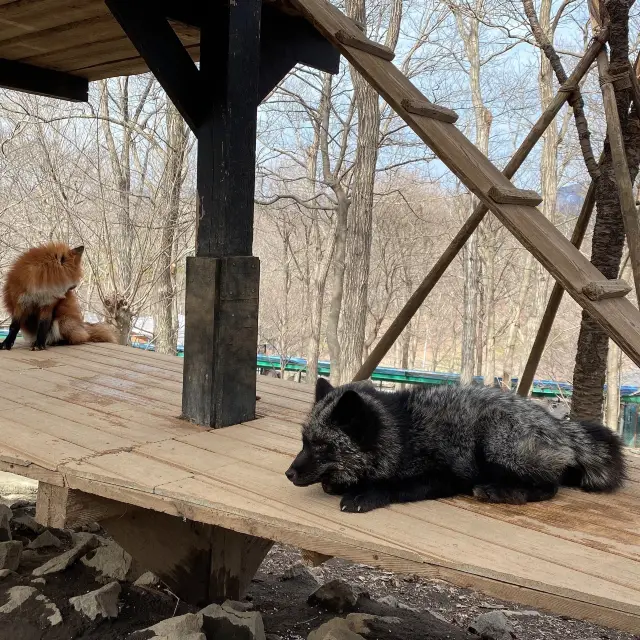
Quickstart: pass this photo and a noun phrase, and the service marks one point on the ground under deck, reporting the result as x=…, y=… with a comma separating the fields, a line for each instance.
x=104, y=419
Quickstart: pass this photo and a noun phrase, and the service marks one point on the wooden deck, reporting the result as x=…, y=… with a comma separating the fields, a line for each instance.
x=104, y=419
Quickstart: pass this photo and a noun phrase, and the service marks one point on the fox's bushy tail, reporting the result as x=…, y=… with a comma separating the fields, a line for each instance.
x=600, y=463
x=100, y=332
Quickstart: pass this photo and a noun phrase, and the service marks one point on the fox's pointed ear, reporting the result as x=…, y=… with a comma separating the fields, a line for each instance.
x=323, y=387
x=78, y=251
x=355, y=417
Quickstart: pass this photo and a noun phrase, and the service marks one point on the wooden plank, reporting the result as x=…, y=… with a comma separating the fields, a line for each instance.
x=365, y=44
x=617, y=317
x=77, y=433
x=41, y=448
x=429, y=110
x=513, y=195
x=603, y=289
x=126, y=469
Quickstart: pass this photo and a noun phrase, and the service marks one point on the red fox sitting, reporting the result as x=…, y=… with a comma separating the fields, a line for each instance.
x=38, y=293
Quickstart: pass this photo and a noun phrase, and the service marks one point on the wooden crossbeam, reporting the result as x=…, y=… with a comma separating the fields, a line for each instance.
x=603, y=289
x=43, y=82
x=512, y=195
x=364, y=44
x=617, y=316
x=429, y=110
x=430, y=280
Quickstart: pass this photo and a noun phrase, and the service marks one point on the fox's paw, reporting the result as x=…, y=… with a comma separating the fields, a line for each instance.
x=500, y=494
x=334, y=489
x=362, y=502
x=4, y=346
x=39, y=347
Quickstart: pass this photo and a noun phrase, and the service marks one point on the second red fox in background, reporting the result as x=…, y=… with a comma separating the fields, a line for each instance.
x=38, y=293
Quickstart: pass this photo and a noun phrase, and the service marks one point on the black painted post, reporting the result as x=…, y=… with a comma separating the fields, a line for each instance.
x=221, y=332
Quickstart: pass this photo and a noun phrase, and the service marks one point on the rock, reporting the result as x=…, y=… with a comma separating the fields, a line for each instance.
x=66, y=559
x=235, y=605
x=38, y=581
x=357, y=622
x=5, y=529
x=55, y=617
x=336, y=595
x=336, y=629
x=10, y=553
x=301, y=572
x=25, y=523
x=101, y=602
x=189, y=636
x=17, y=597
x=493, y=626
x=240, y=625
x=273, y=636
x=112, y=562
x=80, y=537
x=6, y=573
x=44, y=540
x=148, y=579
x=437, y=615
x=390, y=601
x=92, y=527
x=22, y=504
x=522, y=614
x=178, y=628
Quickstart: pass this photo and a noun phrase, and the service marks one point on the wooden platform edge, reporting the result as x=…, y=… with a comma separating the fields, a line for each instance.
x=320, y=544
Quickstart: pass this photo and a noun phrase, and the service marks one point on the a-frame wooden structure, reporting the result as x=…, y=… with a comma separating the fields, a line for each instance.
x=202, y=506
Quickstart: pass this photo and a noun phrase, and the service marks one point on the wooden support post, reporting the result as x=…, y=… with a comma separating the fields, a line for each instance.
x=553, y=304
x=420, y=294
x=621, y=169
x=221, y=327
x=513, y=195
x=199, y=562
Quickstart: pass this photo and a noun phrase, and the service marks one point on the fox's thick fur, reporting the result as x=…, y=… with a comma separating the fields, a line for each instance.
x=39, y=295
x=377, y=448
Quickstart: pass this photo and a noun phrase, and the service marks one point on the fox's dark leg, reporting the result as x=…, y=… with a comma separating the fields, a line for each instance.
x=44, y=326
x=13, y=333
x=372, y=497
x=515, y=493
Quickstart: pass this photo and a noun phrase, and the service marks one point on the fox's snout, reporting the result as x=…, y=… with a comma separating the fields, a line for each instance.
x=303, y=470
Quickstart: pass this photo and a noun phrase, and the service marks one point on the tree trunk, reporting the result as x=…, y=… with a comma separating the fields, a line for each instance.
x=608, y=233
x=165, y=336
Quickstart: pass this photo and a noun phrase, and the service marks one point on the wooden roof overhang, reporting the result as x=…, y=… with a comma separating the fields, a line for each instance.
x=56, y=47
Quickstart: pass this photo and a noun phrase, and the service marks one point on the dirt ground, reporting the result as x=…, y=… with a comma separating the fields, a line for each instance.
x=441, y=611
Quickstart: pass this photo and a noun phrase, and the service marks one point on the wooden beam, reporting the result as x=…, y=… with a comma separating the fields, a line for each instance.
x=44, y=82
x=221, y=326
x=621, y=169
x=286, y=41
x=431, y=279
x=164, y=54
x=553, y=304
x=63, y=508
x=430, y=110
x=604, y=289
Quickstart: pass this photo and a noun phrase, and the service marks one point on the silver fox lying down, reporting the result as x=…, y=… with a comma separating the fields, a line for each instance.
x=376, y=448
